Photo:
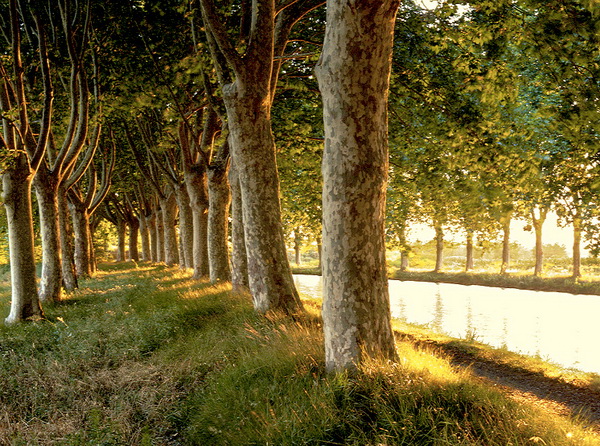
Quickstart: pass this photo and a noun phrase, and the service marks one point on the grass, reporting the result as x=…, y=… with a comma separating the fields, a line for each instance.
x=143, y=355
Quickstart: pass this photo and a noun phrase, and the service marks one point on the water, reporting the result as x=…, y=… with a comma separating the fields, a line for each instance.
x=559, y=327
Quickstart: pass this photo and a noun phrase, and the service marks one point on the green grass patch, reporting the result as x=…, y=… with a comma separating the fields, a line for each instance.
x=145, y=355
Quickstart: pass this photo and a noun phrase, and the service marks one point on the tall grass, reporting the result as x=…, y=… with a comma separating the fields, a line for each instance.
x=144, y=355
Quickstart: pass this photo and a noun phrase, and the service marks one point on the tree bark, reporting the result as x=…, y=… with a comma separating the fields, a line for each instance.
x=470, y=261
x=577, y=230
x=134, y=232
x=219, y=199
x=69, y=271
x=239, y=260
x=353, y=74
x=505, y=245
x=16, y=194
x=538, y=224
x=196, y=181
x=297, y=244
x=186, y=226
x=81, y=228
x=145, y=237
x=46, y=190
x=168, y=206
x=121, y=240
x=160, y=235
x=439, y=248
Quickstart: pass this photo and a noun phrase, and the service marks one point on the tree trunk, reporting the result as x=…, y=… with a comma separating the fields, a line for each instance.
x=320, y=253
x=66, y=242
x=239, y=260
x=160, y=235
x=253, y=150
x=470, y=262
x=439, y=248
x=505, y=245
x=46, y=191
x=404, y=250
x=538, y=224
x=219, y=199
x=16, y=194
x=145, y=236
x=134, y=232
x=196, y=181
x=81, y=228
x=152, y=230
x=356, y=307
x=576, y=247
x=121, y=230
x=168, y=207
x=297, y=244
x=186, y=227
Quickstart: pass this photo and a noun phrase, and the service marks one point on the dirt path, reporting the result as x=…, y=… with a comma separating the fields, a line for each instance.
x=553, y=395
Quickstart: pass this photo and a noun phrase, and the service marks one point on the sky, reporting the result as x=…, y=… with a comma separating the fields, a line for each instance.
x=551, y=234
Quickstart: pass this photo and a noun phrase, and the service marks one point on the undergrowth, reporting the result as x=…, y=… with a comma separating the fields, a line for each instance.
x=143, y=355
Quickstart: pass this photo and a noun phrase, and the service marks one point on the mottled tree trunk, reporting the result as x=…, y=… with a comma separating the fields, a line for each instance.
x=153, y=237
x=186, y=227
x=470, y=262
x=297, y=246
x=134, y=232
x=145, y=237
x=505, y=245
x=439, y=248
x=16, y=194
x=46, y=191
x=270, y=279
x=121, y=240
x=353, y=74
x=168, y=206
x=66, y=242
x=403, y=248
x=219, y=199
x=81, y=229
x=196, y=181
x=538, y=224
x=576, y=247
x=160, y=236
x=239, y=260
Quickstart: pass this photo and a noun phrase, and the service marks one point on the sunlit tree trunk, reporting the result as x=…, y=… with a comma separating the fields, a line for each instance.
x=16, y=195
x=66, y=241
x=577, y=223
x=469, y=264
x=439, y=247
x=218, y=216
x=297, y=245
x=505, y=244
x=356, y=307
x=538, y=223
x=145, y=237
x=186, y=226
x=134, y=232
x=81, y=229
x=46, y=190
x=168, y=206
x=239, y=262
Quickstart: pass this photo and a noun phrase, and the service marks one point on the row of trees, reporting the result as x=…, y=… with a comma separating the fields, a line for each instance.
x=182, y=116
x=493, y=118
x=158, y=118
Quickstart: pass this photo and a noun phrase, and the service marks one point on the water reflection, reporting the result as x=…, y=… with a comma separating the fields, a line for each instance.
x=559, y=327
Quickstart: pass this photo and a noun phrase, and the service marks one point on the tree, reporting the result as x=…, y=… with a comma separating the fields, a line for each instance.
x=24, y=146
x=248, y=100
x=356, y=308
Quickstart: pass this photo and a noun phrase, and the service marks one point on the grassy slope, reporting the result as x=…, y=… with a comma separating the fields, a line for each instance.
x=147, y=356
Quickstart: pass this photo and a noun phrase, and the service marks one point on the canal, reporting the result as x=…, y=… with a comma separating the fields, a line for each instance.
x=558, y=327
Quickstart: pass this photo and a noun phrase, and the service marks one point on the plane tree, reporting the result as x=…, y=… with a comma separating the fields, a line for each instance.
x=254, y=58
x=26, y=126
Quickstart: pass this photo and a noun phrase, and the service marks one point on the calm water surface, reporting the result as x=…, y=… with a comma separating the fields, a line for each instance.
x=559, y=327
